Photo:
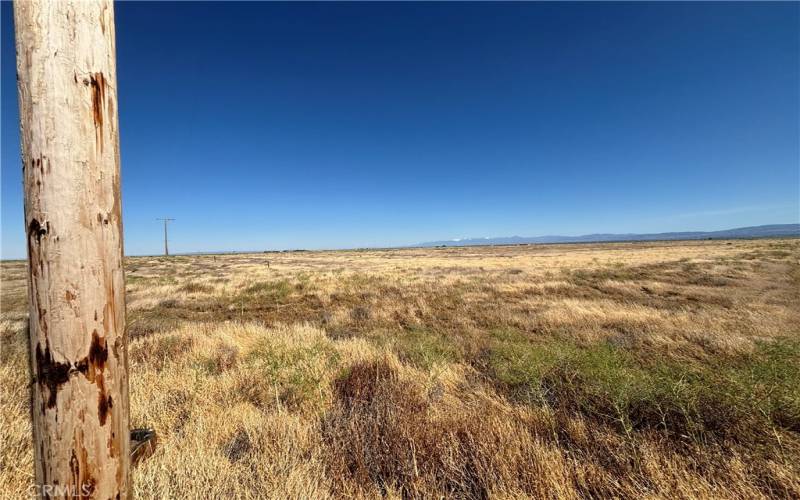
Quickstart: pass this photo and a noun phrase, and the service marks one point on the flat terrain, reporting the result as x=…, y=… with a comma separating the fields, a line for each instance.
x=629, y=370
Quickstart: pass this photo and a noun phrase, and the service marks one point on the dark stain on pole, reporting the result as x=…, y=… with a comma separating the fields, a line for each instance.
x=53, y=374
x=98, y=84
x=50, y=373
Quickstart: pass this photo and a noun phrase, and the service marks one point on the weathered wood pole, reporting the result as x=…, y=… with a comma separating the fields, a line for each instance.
x=67, y=84
x=166, y=247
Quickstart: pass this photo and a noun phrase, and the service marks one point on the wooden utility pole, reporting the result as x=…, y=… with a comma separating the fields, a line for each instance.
x=67, y=85
x=166, y=246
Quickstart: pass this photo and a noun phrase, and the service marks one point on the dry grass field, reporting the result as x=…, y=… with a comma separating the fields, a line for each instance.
x=561, y=371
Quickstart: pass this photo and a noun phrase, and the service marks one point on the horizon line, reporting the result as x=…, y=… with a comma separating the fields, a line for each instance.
x=430, y=244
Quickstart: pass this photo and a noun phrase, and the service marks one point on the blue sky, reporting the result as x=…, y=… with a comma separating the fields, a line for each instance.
x=271, y=126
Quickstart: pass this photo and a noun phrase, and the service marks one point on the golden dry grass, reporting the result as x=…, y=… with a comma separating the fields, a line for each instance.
x=560, y=371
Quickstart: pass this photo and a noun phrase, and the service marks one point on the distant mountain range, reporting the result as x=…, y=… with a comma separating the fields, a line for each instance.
x=769, y=231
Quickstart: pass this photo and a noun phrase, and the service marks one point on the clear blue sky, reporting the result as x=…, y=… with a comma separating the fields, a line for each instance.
x=262, y=125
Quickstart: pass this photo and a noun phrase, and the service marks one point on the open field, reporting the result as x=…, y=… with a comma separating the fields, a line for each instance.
x=629, y=370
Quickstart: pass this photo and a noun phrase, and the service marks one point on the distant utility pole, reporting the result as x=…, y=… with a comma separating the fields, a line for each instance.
x=166, y=246
x=67, y=84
